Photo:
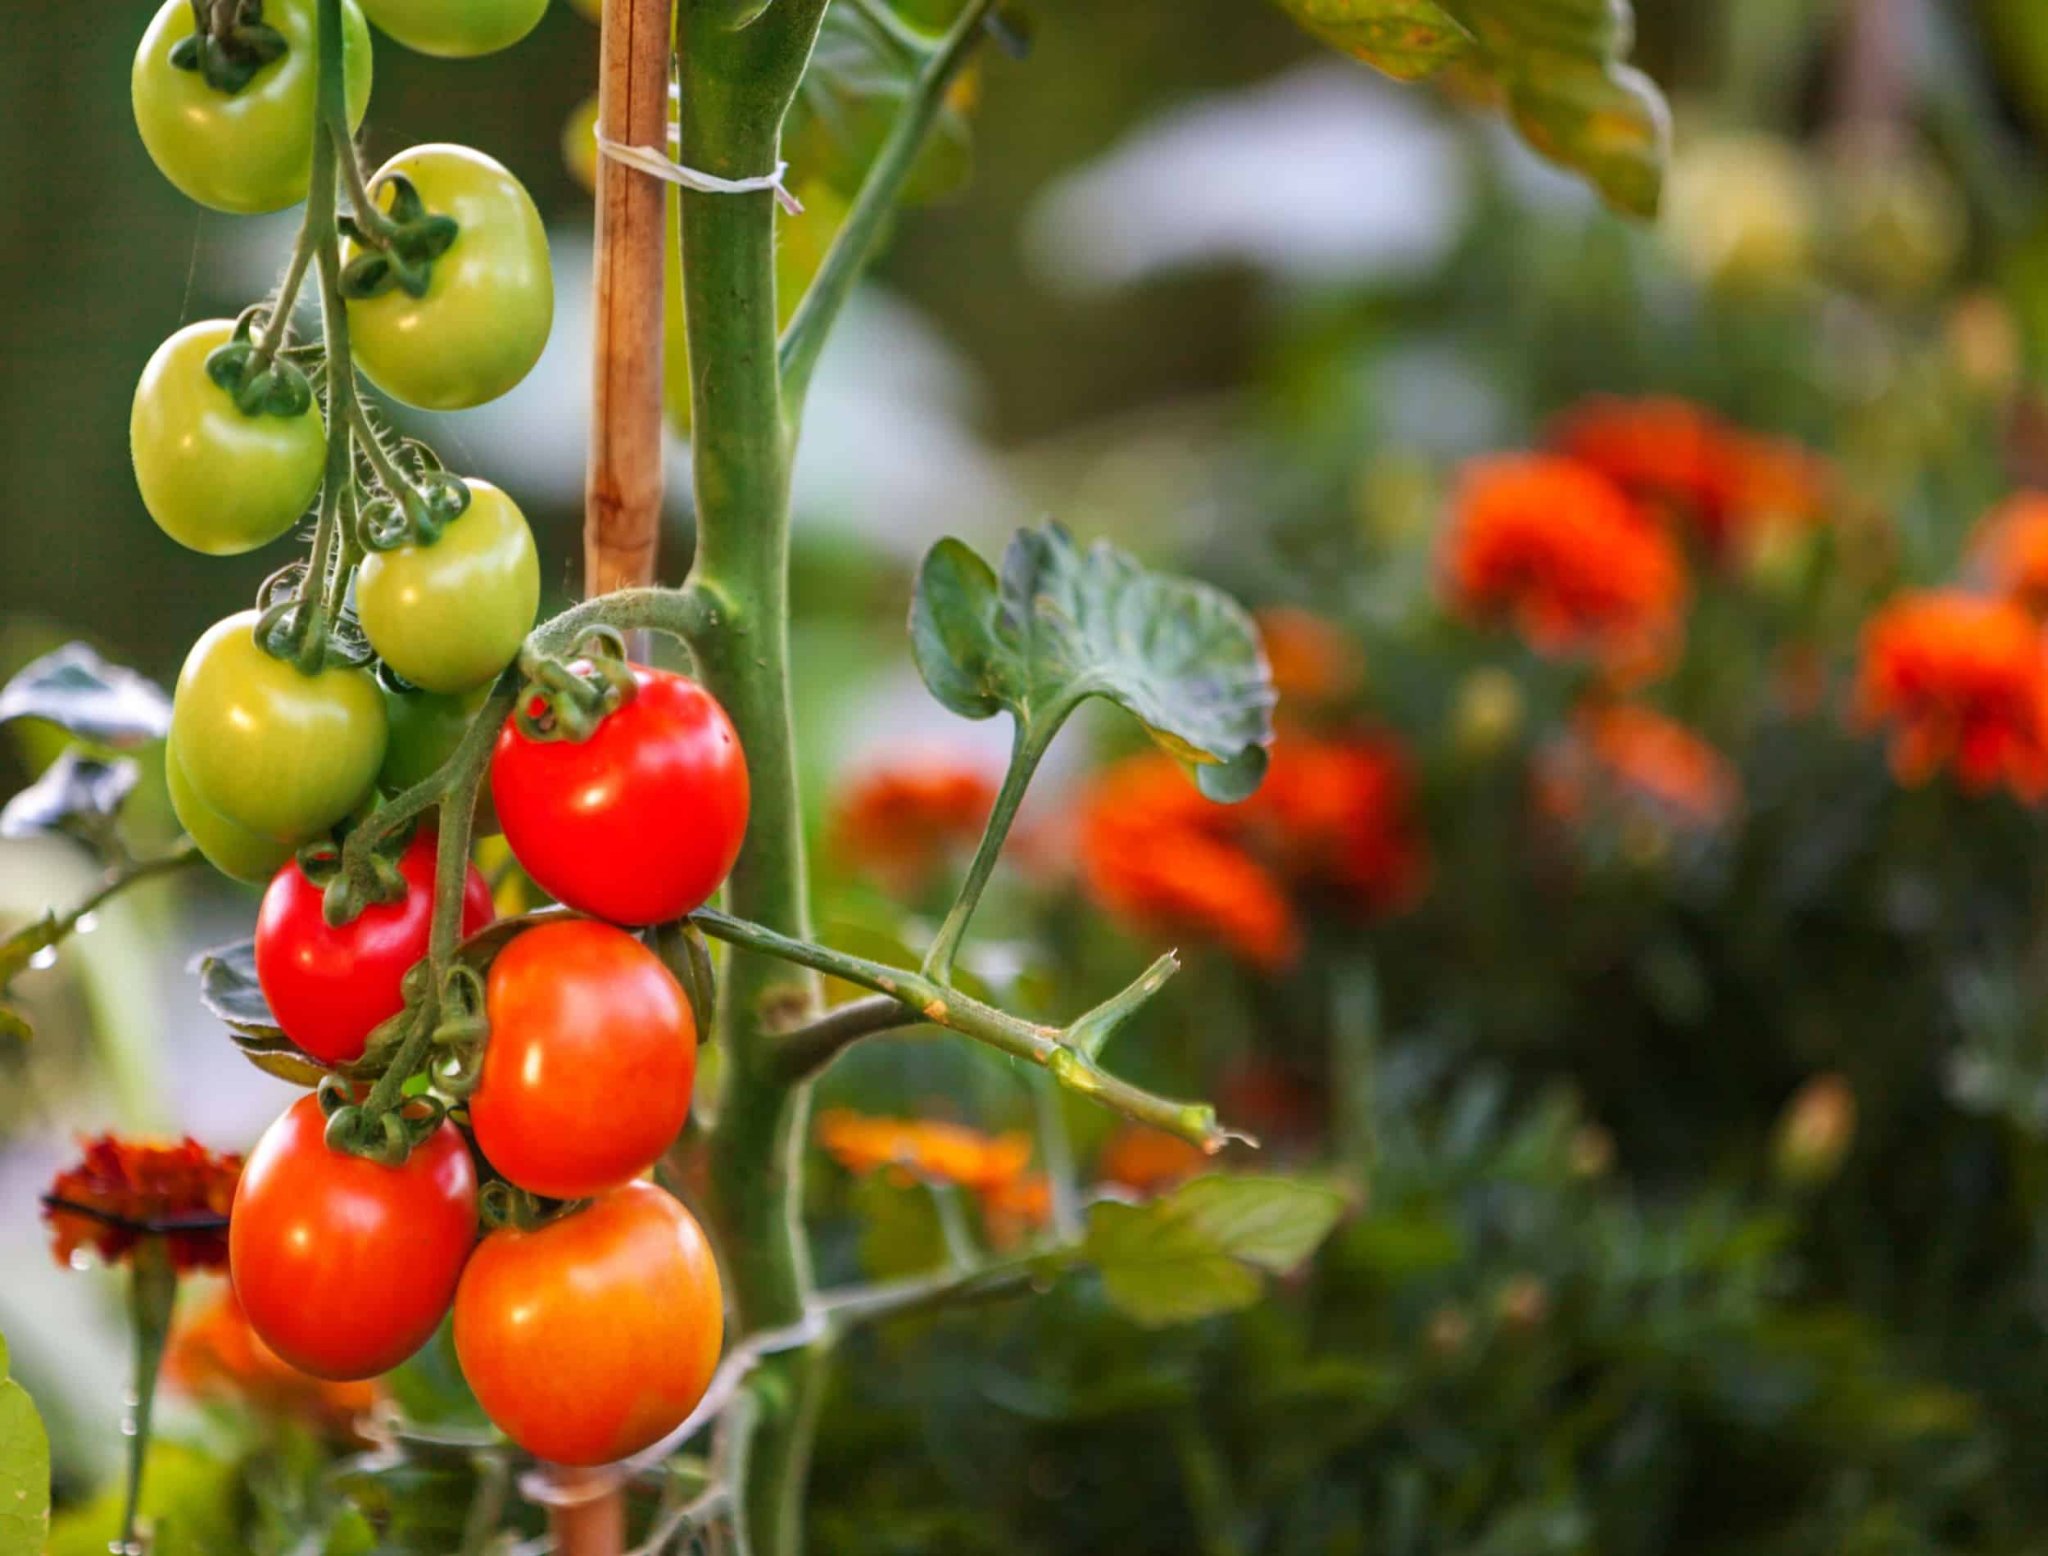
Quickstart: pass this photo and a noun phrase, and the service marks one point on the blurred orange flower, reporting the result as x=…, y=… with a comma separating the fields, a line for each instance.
x=1963, y=683
x=1313, y=663
x=2010, y=551
x=122, y=1191
x=214, y=1354
x=939, y=1152
x=904, y=822
x=1644, y=759
x=1148, y=1161
x=1332, y=814
x=1555, y=547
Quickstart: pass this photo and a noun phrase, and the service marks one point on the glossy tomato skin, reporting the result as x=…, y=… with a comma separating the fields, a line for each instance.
x=343, y=1266
x=591, y=1337
x=490, y=300
x=282, y=754
x=329, y=985
x=214, y=478
x=641, y=822
x=456, y=29
x=593, y=1052
x=451, y=616
x=252, y=151
x=230, y=848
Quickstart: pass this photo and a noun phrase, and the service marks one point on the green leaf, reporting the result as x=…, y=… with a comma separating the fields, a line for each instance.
x=76, y=793
x=1198, y=1251
x=24, y=1469
x=1062, y=625
x=856, y=84
x=1556, y=67
x=228, y=988
x=17, y=954
x=75, y=689
x=188, y=1497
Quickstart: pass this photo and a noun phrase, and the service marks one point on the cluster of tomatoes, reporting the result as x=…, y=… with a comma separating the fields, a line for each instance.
x=591, y=1330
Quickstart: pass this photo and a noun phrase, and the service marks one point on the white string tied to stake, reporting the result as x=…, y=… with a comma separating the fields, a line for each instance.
x=656, y=164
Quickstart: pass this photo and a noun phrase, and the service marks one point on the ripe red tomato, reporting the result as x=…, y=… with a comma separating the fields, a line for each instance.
x=329, y=986
x=345, y=1266
x=641, y=822
x=591, y=1337
x=593, y=1050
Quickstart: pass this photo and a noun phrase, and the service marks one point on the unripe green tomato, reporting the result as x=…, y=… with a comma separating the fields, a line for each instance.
x=213, y=477
x=456, y=29
x=490, y=299
x=231, y=849
x=426, y=727
x=253, y=151
x=449, y=617
x=278, y=752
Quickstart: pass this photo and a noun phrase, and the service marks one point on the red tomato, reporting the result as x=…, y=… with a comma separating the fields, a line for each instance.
x=639, y=823
x=593, y=1050
x=344, y=1266
x=328, y=986
x=591, y=1337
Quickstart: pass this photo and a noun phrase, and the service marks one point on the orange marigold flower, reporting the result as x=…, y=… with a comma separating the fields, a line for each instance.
x=1313, y=663
x=1651, y=760
x=1011, y=1211
x=122, y=1191
x=2010, y=551
x=903, y=822
x=1554, y=547
x=214, y=1354
x=1963, y=683
x=1342, y=814
x=1148, y=1161
x=925, y=1148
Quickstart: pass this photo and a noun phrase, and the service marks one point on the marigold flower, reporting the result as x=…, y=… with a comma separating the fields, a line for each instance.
x=1312, y=662
x=925, y=1148
x=122, y=1191
x=1148, y=1161
x=1962, y=682
x=1555, y=548
x=214, y=1354
x=2010, y=551
x=1650, y=761
x=903, y=822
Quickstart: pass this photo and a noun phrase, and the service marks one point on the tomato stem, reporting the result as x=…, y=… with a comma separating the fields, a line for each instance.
x=1027, y=750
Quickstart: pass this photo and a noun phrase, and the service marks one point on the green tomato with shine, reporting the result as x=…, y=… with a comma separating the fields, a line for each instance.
x=233, y=850
x=490, y=297
x=215, y=478
x=253, y=151
x=450, y=617
x=426, y=727
x=456, y=29
x=280, y=753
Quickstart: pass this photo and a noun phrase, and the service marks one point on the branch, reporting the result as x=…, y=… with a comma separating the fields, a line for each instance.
x=806, y=1051
x=1025, y=754
x=686, y=614
x=858, y=239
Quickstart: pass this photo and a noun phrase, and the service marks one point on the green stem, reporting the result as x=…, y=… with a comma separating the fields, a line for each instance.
x=1026, y=752
x=868, y=219
x=152, y=1291
x=277, y=328
x=687, y=614
x=807, y=1050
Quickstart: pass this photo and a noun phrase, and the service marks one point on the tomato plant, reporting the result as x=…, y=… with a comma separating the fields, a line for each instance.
x=593, y=1336
x=346, y=1266
x=250, y=150
x=483, y=317
x=450, y=616
x=329, y=985
x=586, y=1079
x=641, y=821
x=456, y=29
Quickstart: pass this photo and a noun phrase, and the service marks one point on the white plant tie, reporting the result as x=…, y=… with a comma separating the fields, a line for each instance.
x=659, y=165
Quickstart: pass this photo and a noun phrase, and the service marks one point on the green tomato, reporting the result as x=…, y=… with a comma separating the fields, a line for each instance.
x=426, y=727
x=253, y=151
x=490, y=300
x=456, y=29
x=280, y=753
x=213, y=478
x=232, y=849
x=449, y=617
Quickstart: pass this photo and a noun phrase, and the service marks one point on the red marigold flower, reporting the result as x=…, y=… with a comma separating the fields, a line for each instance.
x=1312, y=662
x=2010, y=551
x=1331, y=814
x=1650, y=761
x=214, y=1354
x=925, y=1148
x=903, y=822
x=1554, y=547
x=123, y=1191
x=1962, y=681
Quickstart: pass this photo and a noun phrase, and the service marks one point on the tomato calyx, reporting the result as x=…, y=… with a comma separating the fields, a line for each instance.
x=418, y=513
x=229, y=43
x=567, y=698
x=399, y=244
x=300, y=631
x=352, y=880
x=446, y=1028
x=501, y=1205
x=259, y=380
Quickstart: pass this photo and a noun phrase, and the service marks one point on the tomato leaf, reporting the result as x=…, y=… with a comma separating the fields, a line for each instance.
x=75, y=689
x=18, y=954
x=24, y=1467
x=1061, y=625
x=855, y=86
x=228, y=988
x=77, y=793
x=1199, y=1251
x=1555, y=66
